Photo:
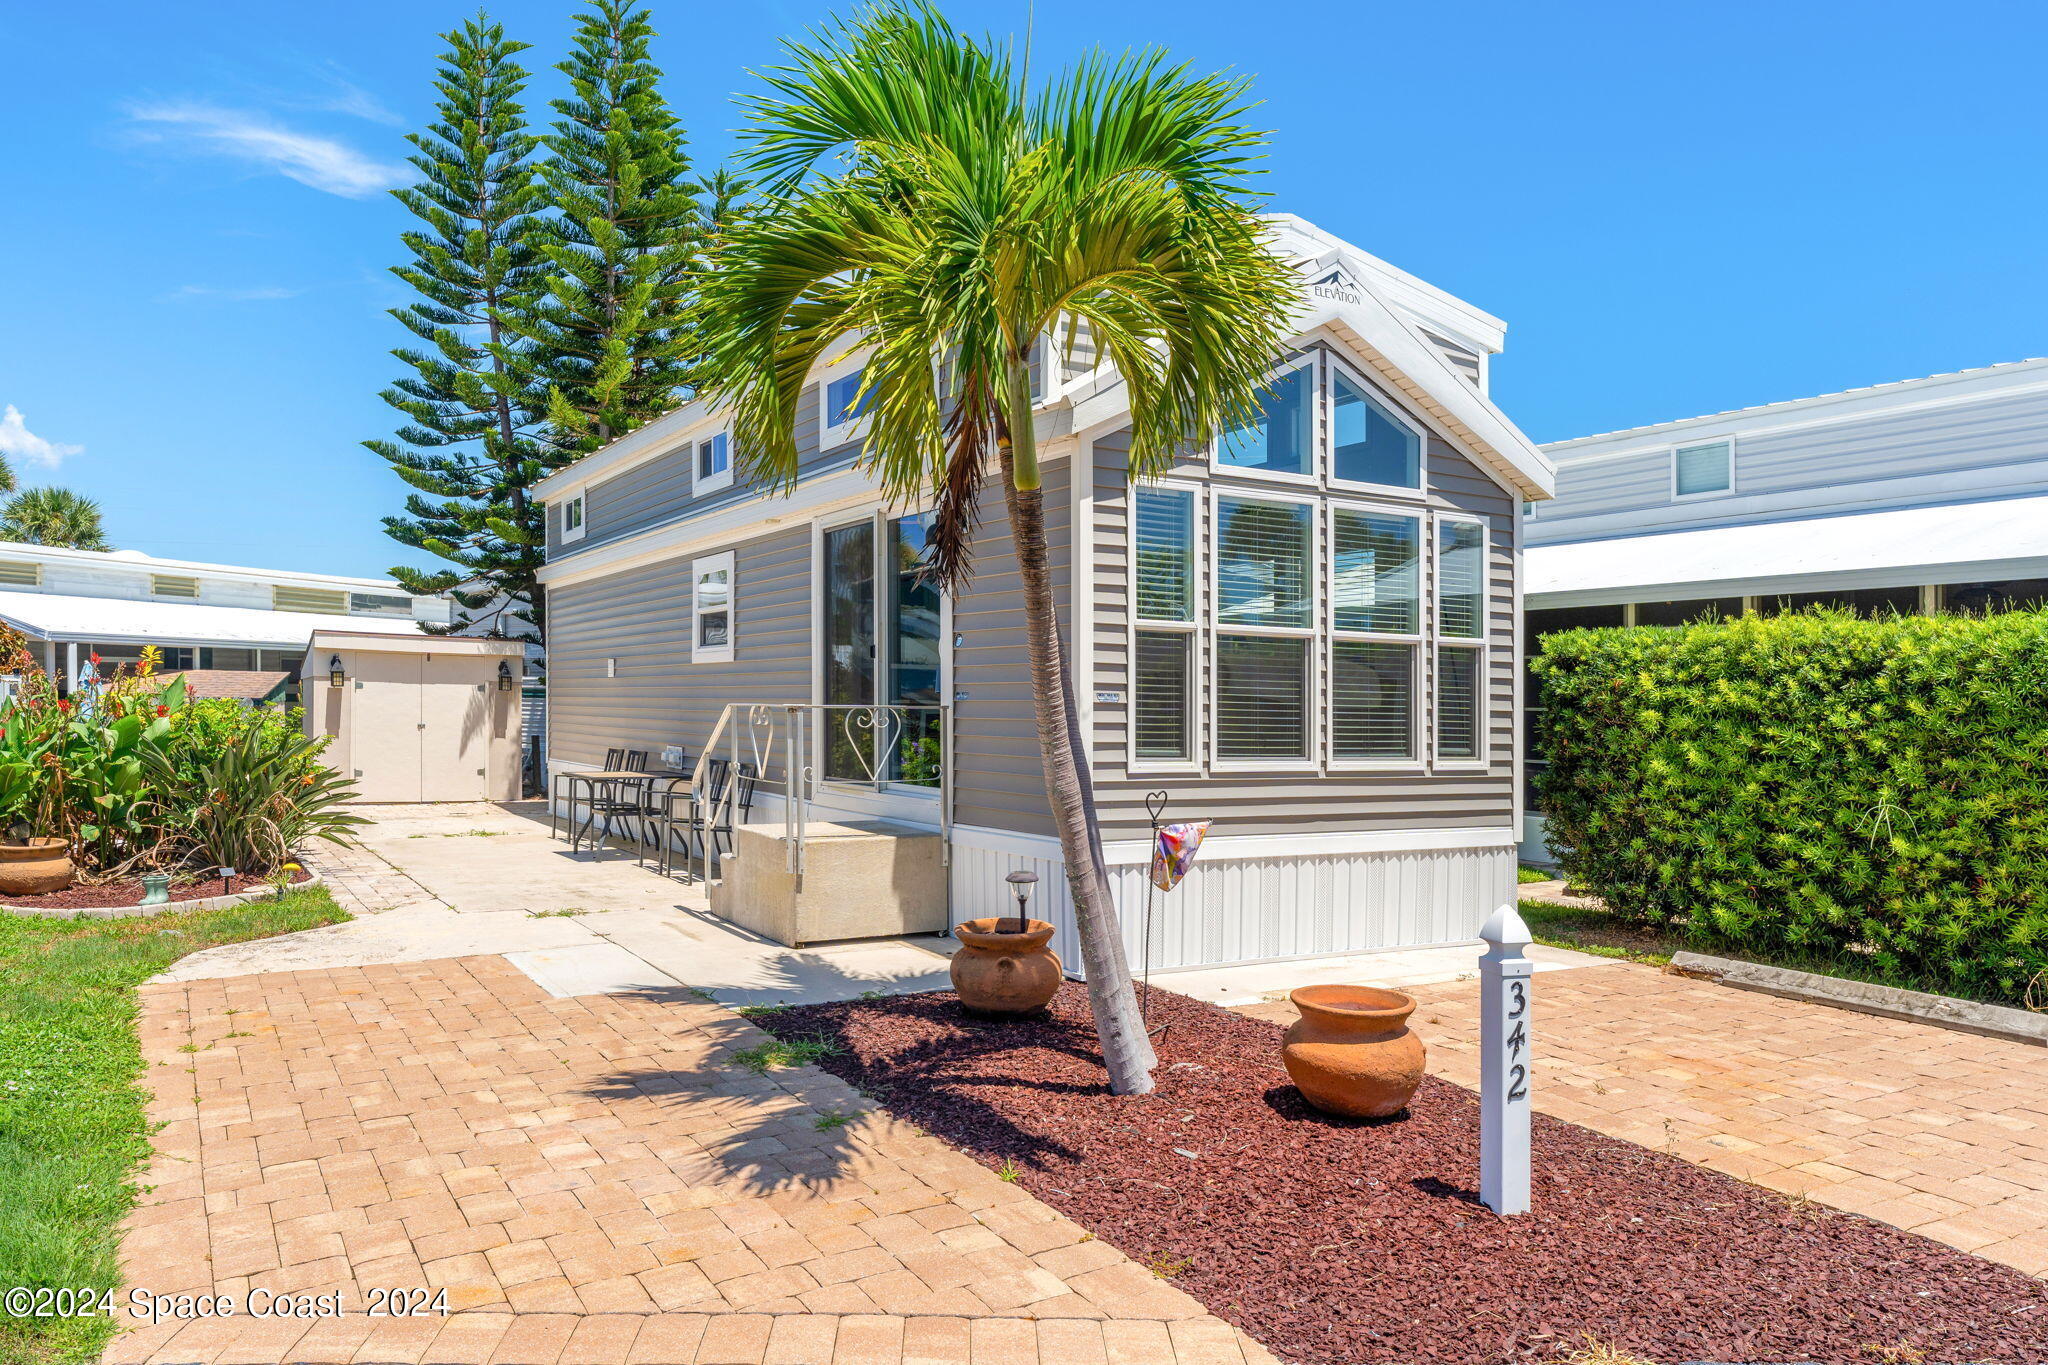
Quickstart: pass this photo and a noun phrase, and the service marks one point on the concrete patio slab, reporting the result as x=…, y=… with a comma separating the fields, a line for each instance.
x=591, y=969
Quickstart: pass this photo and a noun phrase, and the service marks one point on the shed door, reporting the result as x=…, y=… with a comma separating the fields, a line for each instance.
x=385, y=727
x=455, y=730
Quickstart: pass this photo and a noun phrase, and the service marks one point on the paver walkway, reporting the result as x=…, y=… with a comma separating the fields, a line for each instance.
x=1931, y=1129
x=591, y=1180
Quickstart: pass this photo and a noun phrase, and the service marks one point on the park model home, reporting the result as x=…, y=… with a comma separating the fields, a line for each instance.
x=1307, y=633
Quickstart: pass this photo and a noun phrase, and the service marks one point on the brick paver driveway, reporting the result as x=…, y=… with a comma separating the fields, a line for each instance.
x=1942, y=1132
x=590, y=1180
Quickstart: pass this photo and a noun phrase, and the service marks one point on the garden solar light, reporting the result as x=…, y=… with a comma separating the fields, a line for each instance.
x=1020, y=887
x=334, y=673
x=227, y=880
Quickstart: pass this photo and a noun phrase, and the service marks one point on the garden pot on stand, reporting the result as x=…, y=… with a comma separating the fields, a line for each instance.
x=997, y=971
x=30, y=868
x=1352, y=1052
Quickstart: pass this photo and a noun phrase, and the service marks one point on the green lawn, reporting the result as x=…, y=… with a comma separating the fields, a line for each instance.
x=72, y=1131
x=1526, y=874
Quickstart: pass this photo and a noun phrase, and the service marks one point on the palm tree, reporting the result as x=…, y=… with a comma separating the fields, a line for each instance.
x=963, y=217
x=53, y=516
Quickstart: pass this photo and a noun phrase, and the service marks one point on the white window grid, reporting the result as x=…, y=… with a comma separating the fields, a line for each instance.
x=1191, y=628
x=1215, y=628
x=705, y=567
x=1415, y=641
x=1478, y=645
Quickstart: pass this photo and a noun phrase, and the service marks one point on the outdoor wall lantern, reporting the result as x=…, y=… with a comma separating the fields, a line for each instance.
x=334, y=672
x=504, y=676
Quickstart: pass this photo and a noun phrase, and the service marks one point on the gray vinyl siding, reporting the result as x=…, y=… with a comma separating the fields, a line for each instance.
x=1303, y=801
x=998, y=771
x=662, y=489
x=641, y=619
x=1463, y=360
x=1843, y=464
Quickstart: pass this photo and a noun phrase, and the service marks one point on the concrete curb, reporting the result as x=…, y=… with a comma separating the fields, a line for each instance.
x=1944, y=1011
x=167, y=908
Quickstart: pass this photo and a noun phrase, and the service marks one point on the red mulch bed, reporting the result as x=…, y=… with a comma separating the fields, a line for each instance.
x=1362, y=1243
x=126, y=891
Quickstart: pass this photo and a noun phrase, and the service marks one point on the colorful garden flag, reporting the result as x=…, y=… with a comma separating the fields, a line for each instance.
x=1175, y=852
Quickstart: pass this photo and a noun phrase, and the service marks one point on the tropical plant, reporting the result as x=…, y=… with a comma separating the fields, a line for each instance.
x=248, y=804
x=469, y=449
x=53, y=516
x=963, y=217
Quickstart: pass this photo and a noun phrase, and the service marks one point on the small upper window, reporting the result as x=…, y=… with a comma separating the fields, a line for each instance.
x=1708, y=467
x=714, y=463
x=845, y=404
x=1370, y=444
x=172, y=585
x=1279, y=439
x=711, y=609
x=572, y=518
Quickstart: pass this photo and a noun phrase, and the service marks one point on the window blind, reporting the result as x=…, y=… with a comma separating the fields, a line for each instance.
x=1461, y=578
x=1367, y=444
x=1261, y=697
x=1160, y=707
x=1704, y=468
x=1457, y=701
x=1372, y=700
x=307, y=599
x=1375, y=564
x=1164, y=540
x=1262, y=564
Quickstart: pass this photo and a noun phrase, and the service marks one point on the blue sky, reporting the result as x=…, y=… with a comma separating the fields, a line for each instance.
x=1677, y=209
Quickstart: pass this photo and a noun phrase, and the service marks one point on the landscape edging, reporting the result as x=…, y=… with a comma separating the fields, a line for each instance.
x=1944, y=1011
x=167, y=908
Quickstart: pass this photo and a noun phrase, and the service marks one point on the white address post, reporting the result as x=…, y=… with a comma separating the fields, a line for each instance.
x=1504, y=971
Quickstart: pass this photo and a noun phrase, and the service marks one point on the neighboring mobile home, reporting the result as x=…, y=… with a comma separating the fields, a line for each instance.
x=1307, y=634
x=1920, y=496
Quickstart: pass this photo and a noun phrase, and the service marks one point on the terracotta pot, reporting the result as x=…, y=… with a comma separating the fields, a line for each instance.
x=1352, y=1052
x=1005, y=973
x=34, y=867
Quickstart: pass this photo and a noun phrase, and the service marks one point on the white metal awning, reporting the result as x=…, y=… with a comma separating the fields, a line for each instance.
x=117, y=621
x=1964, y=542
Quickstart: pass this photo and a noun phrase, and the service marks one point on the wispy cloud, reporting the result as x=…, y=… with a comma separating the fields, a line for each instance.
x=206, y=291
x=323, y=163
x=17, y=442
x=346, y=97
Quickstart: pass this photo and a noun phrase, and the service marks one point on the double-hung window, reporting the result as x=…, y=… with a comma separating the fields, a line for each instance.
x=714, y=463
x=1375, y=635
x=1461, y=641
x=1265, y=624
x=1163, y=645
x=711, y=606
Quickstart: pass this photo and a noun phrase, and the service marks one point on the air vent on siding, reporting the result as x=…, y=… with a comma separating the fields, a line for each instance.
x=19, y=573
x=172, y=585
x=330, y=600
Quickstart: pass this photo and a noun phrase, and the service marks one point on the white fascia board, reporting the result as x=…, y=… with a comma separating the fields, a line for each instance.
x=1336, y=843
x=1296, y=236
x=729, y=525
x=1795, y=414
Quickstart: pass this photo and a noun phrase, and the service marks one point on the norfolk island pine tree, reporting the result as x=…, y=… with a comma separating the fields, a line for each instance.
x=967, y=216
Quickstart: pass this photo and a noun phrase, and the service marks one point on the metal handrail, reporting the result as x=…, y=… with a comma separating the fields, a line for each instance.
x=755, y=732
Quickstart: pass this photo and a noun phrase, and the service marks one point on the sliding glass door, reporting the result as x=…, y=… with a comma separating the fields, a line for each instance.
x=883, y=647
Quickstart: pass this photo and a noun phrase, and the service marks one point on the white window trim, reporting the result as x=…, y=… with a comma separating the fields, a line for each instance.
x=1480, y=645
x=1671, y=465
x=700, y=483
x=708, y=564
x=832, y=435
x=1311, y=361
x=1386, y=403
x=1193, y=628
x=1417, y=642
x=1217, y=628
x=582, y=525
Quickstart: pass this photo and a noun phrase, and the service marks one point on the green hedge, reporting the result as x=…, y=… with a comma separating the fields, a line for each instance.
x=1813, y=783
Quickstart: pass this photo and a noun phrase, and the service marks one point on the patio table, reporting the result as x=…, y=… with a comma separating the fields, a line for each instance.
x=590, y=784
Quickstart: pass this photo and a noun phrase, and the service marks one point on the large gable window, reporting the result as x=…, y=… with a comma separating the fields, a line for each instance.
x=1368, y=443
x=1702, y=470
x=1280, y=440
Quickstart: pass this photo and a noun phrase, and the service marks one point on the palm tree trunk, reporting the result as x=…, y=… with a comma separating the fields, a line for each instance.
x=1126, y=1050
